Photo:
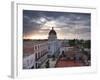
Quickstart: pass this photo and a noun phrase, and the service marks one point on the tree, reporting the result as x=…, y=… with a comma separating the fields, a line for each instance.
x=72, y=42
x=87, y=44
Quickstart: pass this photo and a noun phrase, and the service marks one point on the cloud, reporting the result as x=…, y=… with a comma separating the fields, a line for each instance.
x=30, y=26
x=65, y=23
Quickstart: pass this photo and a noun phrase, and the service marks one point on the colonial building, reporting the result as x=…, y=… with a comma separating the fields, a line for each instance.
x=53, y=43
x=28, y=54
x=64, y=46
x=34, y=53
x=41, y=52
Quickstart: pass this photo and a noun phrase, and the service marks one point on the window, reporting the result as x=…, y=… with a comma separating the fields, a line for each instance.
x=36, y=57
x=35, y=47
x=38, y=46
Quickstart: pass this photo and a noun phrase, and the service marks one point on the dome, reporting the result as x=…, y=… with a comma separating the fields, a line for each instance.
x=52, y=32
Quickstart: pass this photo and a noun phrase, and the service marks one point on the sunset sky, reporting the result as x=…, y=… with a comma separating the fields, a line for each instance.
x=37, y=24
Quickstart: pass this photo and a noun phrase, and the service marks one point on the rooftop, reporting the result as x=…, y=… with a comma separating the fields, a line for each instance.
x=68, y=63
x=33, y=42
x=28, y=46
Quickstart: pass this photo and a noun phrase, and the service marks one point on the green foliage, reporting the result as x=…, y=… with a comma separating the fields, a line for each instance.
x=72, y=42
x=84, y=43
x=87, y=44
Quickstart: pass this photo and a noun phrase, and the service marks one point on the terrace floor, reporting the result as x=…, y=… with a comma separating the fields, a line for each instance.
x=68, y=63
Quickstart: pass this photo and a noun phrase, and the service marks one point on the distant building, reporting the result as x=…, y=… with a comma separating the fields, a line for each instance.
x=64, y=46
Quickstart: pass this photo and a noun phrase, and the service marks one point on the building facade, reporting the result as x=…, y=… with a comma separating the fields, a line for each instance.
x=53, y=43
x=34, y=54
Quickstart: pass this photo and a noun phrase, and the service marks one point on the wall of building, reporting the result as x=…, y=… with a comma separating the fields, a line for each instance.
x=38, y=54
x=29, y=62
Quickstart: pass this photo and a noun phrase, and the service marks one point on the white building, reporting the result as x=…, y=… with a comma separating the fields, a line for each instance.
x=41, y=53
x=28, y=55
x=53, y=43
x=29, y=62
x=34, y=53
x=64, y=46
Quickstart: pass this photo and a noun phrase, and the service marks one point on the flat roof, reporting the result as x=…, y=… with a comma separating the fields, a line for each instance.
x=28, y=46
x=68, y=63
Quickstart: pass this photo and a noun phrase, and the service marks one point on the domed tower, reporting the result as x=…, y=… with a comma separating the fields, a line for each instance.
x=52, y=35
x=52, y=43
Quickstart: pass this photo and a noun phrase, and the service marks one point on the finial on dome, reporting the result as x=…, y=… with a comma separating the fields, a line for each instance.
x=52, y=31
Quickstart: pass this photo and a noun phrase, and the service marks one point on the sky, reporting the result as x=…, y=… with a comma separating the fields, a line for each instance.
x=68, y=25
